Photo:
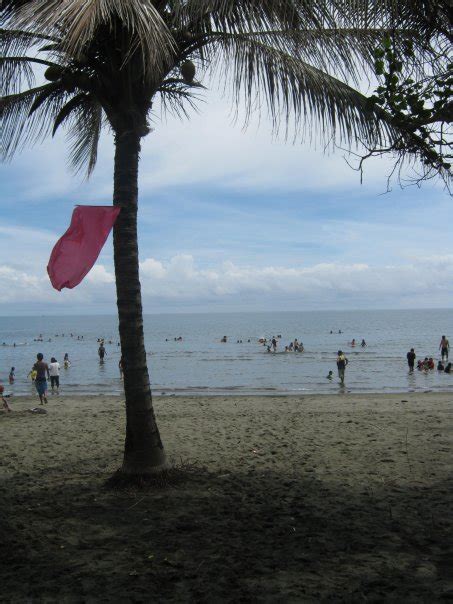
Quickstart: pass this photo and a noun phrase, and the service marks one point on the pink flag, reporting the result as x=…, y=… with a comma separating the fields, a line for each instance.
x=75, y=253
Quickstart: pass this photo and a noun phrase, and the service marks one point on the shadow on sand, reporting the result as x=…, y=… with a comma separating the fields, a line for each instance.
x=256, y=537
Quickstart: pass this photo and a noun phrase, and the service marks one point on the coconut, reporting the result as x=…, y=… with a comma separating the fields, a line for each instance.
x=188, y=71
x=53, y=73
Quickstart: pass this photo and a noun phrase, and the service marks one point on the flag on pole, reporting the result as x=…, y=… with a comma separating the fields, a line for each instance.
x=75, y=253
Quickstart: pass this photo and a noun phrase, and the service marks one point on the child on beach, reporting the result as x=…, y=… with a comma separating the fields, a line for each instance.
x=32, y=375
x=11, y=375
x=66, y=361
x=3, y=397
x=329, y=376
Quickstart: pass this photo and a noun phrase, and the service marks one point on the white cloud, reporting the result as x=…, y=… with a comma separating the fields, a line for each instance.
x=100, y=276
x=180, y=281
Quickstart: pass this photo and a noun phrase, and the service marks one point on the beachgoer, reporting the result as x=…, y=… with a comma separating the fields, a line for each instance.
x=420, y=365
x=363, y=343
x=430, y=363
x=426, y=364
x=54, y=372
x=411, y=359
x=448, y=368
x=3, y=398
x=121, y=367
x=42, y=372
x=66, y=361
x=444, y=347
x=440, y=366
x=329, y=376
x=11, y=375
x=274, y=344
x=101, y=351
x=342, y=361
x=223, y=340
x=353, y=342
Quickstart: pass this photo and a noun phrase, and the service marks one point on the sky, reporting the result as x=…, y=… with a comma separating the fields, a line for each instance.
x=231, y=220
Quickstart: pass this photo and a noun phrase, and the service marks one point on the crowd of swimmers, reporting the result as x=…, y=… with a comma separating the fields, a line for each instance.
x=428, y=363
x=42, y=371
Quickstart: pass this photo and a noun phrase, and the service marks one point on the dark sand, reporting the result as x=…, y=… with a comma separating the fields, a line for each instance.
x=307, y=499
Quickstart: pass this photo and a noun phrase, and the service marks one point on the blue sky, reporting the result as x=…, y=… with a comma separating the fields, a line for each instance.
x=232, y=220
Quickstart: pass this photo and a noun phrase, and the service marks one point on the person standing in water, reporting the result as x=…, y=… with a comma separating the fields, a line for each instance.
x=11, y=375
x=411, y=359
x=101, y=351
x=342, y=361
x=42, y=373
x=66, y=361
x=54, y=372
x=444, y=347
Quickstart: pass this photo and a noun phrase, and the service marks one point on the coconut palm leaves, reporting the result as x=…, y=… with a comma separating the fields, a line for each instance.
x=107, y=60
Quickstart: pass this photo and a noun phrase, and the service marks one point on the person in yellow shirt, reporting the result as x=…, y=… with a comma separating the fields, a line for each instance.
x=32, y=375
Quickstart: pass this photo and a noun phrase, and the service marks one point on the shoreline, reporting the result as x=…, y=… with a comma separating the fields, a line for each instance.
x=447, y=395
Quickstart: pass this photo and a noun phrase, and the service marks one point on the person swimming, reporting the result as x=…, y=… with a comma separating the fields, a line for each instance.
x=329, y=376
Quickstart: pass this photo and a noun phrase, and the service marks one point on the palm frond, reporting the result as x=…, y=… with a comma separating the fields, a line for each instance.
x=67, y=109
x=176, y=97
x=78, y=22
x=84, y=133
x=19, y=127
x=18, y=42
x=294, y=91
x=15, y=72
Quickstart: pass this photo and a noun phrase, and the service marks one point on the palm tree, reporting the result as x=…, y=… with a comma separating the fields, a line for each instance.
x=107, y=61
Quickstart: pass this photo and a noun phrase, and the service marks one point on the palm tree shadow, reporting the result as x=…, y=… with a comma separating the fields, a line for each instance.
x=242, y=537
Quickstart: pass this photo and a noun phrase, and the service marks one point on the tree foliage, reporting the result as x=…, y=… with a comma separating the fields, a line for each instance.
x=419, y=105
x=107, y=61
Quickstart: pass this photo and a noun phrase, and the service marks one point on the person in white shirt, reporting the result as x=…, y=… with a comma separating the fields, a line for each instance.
x=54, y=372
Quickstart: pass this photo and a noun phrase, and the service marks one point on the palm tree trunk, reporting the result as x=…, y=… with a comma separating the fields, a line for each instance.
x=143, y=451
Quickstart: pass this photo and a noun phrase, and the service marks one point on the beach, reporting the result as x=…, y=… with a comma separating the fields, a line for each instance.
x=344, y=498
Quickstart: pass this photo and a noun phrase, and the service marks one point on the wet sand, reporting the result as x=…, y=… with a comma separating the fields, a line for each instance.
x=289, y=499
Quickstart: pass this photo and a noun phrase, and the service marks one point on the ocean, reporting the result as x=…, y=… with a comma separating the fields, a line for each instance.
x=201, y=364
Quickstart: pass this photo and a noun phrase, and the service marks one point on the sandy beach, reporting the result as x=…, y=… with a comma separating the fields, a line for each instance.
x=288, y=499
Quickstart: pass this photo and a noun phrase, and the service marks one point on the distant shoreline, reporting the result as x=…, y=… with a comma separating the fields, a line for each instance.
x=445, y=396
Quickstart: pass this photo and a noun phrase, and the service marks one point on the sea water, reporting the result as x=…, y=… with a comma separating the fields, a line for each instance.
x=201, y=364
